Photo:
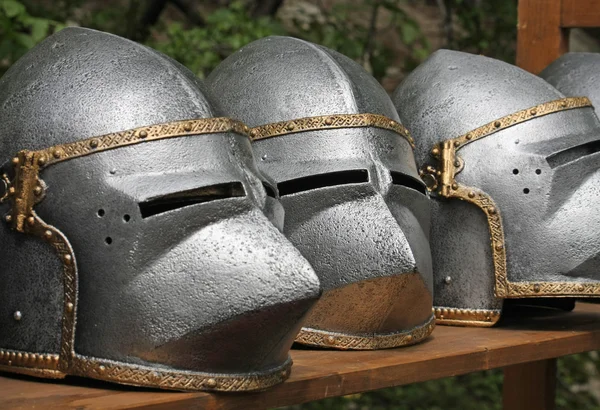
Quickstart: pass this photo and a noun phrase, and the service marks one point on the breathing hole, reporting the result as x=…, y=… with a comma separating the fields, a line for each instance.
x=515, y=171
x=108, y=240
x=538, y=171
x=101, y=213
x=126, y=218
x=526, y=190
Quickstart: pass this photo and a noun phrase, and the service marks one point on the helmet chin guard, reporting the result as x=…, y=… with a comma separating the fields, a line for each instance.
x=474, y=166
x=138, y=234
x=329, y=136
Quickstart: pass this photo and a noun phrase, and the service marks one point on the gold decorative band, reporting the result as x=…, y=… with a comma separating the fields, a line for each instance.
x=326, y=122
x=443, y=182
x=466, y=317
x=342, y=341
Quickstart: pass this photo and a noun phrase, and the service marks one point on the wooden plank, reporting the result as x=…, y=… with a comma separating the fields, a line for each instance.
x=580, y=13
x=540, y=37
x=318, y=374
x=530, y=386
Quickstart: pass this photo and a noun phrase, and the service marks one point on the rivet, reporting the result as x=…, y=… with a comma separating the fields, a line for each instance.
x=492, y=210
x=20, y=356
x=441, y=317
x=9, y=363
x=48, y=234
x=38, y=190
x=290, y=126
x=392, y=123
x=471, y=194
x=31, y=220
x=15, y=161
x=330, y=340
x=284, y=373
x=41, y=161
x=68, y=259
x=143, y=134
x=211, y=383
x=101, y=369
x=457, y=163
x=55, y=358
x=533, y=111
x=48, y=358
x=455, y=186
x=40, y=358
x=536, y=288
x=57, y=153
x=1, y=354
x=26, y=357
x=456, y=143
x=8, y=218
x=246, y=129
x=70, y=307
x=329, y=121
x=581, y=288
x=435, y=151
x=447, y=279
x=563, y=104
x=94, y=143
x=13, y=356
x=11, y=190
x=18, y=315
x=409, y=338
x=468, y=136
x=488, y=318
x=499, y=246
x=497, y=124
x=253, y=133
x=186, y=127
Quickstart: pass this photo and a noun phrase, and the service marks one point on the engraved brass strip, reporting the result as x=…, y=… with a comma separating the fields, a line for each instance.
x=342, y=341
x=27, y=189
x=325, y=122
x=443, y=182
x=466, y=317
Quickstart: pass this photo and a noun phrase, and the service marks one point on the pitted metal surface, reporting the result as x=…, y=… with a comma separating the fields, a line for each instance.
x=170, y=263
x=355, y=206
x=541, y=182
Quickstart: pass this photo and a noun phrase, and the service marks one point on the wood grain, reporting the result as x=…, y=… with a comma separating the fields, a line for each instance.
x=580, y=13
x=530, y=386
x=540, y=36
x=319, y=374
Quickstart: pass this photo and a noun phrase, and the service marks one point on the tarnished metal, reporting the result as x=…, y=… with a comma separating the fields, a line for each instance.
x=177, y=208
x=329, y=136
x=514, y=226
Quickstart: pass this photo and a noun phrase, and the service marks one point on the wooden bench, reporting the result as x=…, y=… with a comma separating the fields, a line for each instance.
x=526, y=349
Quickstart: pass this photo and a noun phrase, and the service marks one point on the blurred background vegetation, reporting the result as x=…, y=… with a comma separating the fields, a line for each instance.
x=388, y=37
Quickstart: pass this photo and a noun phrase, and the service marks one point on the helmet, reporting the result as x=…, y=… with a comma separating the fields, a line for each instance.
x=329, y=136
x=136, y=247
x=576, y=74
x=514, y=193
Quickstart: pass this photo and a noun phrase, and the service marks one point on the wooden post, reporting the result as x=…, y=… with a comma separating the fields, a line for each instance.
x=530, y=386
x=540, y=36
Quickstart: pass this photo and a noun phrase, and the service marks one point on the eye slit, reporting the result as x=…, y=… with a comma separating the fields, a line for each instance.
x=176, y=200
x=311, y=182
x=399, y=178
x=573, y=153
x=269, y=190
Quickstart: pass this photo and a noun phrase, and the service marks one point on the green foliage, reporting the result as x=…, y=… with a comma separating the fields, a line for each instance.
x=227, y=29
x=19, y=31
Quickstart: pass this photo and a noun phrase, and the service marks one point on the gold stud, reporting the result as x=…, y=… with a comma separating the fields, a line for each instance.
x=11, y=190
x=468, y=136
x=246, y=129
x=497, y=124
x=456, y=143
x=328, y=121
x=435, y=151
x=455, y=186
x=101, y=369
x=68, y=259
x=409, y=338
x=457, y=163
x=94, y=143
x=31, y=221
x=488, y=318
x=8, y=218
x=563, y=104
x=536, y=288
x=48, y=358
x=48, y=234
x=211, y=383
x=143, y=134
x=20, y=356
x=284, y=374
x=492, y=210
x=533, y=111
x=38, y=190
x=499, y=246
x=57, y=153
x=70, y=307
x=330, y=340
x=26, y=357
x=13, y=356
x=55, y=358
x=392, y=123
x=15, y=161
x=41, y=161
x=187, y=127
x=290, y=126
x=471, y=194
x=580, y=288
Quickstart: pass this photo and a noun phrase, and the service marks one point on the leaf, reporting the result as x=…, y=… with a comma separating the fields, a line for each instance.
x=409, y=32
x=12, y=8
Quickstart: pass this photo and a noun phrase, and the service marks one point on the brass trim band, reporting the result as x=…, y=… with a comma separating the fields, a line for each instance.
x=466, y=317
x=326, y=122
x=443, y=182
x=26, y=190
x=343, y=341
